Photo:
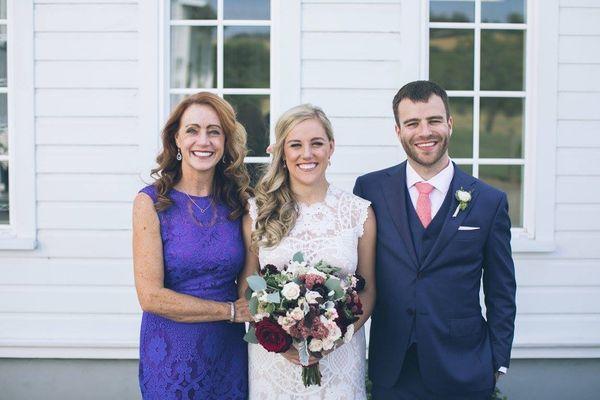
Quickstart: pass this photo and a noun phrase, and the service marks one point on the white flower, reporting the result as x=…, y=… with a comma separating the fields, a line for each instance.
x=312, y=296
x=259, y=316
x=297, y=268
x=286, y=322
x=328, y=344
x=290, y=291
x=349, y=333
x=263, y=297
x=296, y=314
x=315, y=345
x=463, y=196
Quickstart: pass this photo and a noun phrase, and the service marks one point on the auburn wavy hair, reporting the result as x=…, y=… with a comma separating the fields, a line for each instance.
x=231, y=183
x=277, y=208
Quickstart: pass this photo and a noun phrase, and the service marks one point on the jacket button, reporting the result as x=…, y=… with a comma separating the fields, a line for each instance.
x=410, y=311
x=419, y=275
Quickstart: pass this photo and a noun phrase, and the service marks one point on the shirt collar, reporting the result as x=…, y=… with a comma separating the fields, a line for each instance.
x=440, y=182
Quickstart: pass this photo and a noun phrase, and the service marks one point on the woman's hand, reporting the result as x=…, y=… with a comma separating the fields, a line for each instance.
x=292, y=356
x=242, y=311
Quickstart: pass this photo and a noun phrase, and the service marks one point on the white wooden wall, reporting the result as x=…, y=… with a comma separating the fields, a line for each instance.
x=73, y=296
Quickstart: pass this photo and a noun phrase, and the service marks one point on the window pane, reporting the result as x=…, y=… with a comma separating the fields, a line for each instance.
x=468, y=169
x=461, y=142
x=4, y=192
x=451, y=58
x=185, y=9
x=256, y=171
x=3, y=125
x=253, y=112
x=3, y=56
x=501, y=128
x=451, y=11
x=193, y=57
x=246, y=57
x=2, y=9
x=508, y=178
x=511, y=11
x=502, y=60
x=246, y=9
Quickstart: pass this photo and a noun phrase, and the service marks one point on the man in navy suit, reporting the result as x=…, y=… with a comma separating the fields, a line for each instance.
x=428, y=337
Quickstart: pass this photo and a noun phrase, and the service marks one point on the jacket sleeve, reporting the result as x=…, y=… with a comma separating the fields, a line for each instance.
x=500, y=286
x=358, y=188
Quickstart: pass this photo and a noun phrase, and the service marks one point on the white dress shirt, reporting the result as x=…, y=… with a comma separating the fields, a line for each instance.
x=441, y=183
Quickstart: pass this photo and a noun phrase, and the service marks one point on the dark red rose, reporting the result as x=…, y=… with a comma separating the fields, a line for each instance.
x=271, y=269
x=272, y=337
x=360, y=284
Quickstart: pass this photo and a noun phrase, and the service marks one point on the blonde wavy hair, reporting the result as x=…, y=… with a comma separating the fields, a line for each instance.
x=277, y=208
x=231, y=183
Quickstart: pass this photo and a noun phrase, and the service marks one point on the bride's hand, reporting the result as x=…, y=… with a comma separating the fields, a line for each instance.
x=292, y=356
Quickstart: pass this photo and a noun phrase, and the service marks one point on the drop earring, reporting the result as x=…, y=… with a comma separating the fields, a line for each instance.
x=179, y=156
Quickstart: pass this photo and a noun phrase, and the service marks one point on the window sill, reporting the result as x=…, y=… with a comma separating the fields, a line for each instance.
x=17, y=243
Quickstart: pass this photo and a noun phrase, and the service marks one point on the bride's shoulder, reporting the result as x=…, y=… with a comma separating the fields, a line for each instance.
x=348, y=198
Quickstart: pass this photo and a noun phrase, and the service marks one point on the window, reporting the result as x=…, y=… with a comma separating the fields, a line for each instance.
x=477, y=51
x=224, y=46
x=17, y=143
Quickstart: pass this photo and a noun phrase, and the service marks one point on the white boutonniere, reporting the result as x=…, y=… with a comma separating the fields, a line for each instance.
x=463, y=198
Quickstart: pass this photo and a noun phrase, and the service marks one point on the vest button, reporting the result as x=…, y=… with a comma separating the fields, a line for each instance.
x=410, y=311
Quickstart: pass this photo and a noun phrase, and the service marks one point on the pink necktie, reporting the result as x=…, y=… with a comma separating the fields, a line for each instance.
x=424, y=202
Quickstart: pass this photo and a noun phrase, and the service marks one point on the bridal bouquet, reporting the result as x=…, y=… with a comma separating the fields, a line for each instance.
x=310, y=307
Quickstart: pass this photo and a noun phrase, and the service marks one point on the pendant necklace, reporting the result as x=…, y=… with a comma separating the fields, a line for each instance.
x=202, y=210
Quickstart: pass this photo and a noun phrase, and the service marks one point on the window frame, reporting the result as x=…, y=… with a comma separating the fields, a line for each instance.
x=20, y=233
x=540, y=94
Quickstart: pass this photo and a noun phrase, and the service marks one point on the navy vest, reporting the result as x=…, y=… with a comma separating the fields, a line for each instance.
x=424, y=239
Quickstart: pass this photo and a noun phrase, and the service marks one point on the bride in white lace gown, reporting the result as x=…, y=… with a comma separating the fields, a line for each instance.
x=296, y=209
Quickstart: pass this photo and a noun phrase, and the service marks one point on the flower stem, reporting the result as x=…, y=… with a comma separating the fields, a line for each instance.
x=311, y=375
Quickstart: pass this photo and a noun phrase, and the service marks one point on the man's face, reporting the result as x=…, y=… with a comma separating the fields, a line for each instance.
x=424, y=130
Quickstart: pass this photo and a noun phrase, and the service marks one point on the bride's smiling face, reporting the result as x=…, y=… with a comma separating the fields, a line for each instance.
x=307, y=151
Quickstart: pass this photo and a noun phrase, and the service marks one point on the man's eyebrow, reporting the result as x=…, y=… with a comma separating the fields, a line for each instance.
x=408, y=121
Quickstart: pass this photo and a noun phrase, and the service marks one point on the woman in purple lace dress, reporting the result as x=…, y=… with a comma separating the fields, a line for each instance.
x=188, y=251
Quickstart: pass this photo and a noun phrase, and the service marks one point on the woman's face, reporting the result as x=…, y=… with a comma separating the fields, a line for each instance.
x=306, y=151
x=200, y=138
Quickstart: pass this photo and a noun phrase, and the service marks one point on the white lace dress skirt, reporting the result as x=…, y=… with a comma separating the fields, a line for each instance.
x=272, y=377
x=327, y=231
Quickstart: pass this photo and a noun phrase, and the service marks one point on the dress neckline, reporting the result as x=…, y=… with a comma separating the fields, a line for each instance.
x=318, y=203
x=191, y=195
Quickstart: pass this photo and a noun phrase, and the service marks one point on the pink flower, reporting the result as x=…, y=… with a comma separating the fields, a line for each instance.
x=300, y=331
x=319, y=330
x=311, y=280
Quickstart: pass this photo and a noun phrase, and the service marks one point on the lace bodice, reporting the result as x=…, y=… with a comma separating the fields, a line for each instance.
x=327, y=231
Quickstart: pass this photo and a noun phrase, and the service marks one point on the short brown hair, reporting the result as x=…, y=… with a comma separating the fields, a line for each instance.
x=419, y=91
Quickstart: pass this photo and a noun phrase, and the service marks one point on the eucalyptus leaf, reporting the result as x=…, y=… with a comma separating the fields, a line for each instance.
x=298, y=257
x=303, y=352
x=250, y=336
x=253, y=305
x=274, y=298
x=248, y=293
x=333, y=284
x=256, y=283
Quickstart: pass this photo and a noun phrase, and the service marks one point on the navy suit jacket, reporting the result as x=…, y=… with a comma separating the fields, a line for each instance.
x=458, y=349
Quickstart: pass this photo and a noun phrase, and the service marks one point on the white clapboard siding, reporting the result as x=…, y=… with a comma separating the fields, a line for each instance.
x=558, y=329
x=577, y=189
x=546, y=273
x=579, y=105
x=350, y=17
x=351, y=74
x=579, y=49
x=88, y=187
x=579, y=3
x=578, y=217
x=84, y=244
x=582, y=300
x=577, y=161
x=68, y=299
x=86, y=102
x=351, y=46
x=94, y=216
x=87, y=131
x=580, y=21
x=579, y=133
x=358, y=159
x=87, y=159
x=120, y=17
x=86, y=74
x=364, y=131
x=66, y=272
x=69, y=329
x=576, y=77
x=80, y=46
x=351, y=102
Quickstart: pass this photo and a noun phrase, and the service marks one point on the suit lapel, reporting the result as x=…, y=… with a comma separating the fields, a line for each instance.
x=451, y=224
x=395, y=196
